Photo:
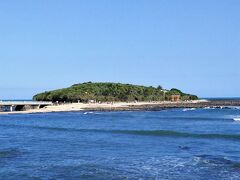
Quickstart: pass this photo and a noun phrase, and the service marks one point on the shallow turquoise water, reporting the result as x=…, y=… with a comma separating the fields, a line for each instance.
x=167, y=144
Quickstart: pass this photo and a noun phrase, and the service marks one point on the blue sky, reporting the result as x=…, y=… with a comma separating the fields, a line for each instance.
x=191, y=45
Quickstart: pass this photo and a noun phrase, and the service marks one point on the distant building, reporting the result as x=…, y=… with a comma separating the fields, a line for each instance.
x=175, y=98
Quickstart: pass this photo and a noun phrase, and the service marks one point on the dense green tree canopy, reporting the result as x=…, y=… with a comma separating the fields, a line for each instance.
x=107, y=92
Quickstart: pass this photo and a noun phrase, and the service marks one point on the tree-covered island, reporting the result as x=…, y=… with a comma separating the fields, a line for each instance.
x=111, y=92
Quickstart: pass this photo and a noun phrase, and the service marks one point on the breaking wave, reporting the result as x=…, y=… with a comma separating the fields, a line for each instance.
x=236, y=119
x=189, y=109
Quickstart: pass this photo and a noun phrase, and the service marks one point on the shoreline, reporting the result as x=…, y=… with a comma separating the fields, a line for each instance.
x=127, y=106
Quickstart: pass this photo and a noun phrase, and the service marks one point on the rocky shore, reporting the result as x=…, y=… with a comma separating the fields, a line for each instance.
x=159, y=106
x=132, y=106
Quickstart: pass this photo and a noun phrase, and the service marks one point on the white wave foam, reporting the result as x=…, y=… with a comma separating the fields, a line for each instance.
x=189, y=109
x=88, y=113
x=236, y=119
x=223, y=107
x=209, y=108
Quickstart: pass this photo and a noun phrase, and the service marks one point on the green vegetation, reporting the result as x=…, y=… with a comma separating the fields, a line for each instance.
x=108, y=92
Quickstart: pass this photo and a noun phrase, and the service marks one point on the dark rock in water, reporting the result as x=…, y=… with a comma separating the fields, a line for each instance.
x=10, y=153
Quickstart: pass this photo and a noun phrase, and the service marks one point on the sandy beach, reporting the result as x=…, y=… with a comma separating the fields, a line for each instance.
x=103, y=106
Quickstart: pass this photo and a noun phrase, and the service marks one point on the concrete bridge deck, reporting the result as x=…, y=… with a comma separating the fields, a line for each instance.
x=8, y=103
x=22, y=105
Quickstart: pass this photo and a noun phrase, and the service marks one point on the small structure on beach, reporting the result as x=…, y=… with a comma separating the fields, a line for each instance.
x=175, y=98
x=91, y=101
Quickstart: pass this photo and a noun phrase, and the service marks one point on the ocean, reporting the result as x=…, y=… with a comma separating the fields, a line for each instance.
x=167, y=144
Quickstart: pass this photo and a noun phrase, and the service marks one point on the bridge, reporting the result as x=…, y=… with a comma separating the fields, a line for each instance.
x=22, y=105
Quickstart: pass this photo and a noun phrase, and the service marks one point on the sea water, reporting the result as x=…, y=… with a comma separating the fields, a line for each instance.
x=165, y=144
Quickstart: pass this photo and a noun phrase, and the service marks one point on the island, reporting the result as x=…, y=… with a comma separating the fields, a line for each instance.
x=106, y=96
x=113, y=92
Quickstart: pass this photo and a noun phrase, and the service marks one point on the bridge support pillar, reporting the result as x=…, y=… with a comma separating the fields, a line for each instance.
x=11, y=108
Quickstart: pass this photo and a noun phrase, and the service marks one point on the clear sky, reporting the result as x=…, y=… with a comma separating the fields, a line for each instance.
x=193, y=45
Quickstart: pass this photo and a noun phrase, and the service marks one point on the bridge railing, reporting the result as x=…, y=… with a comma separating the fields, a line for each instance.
x=25, y=103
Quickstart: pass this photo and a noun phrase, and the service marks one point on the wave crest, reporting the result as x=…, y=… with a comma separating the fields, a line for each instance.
x=167, y=133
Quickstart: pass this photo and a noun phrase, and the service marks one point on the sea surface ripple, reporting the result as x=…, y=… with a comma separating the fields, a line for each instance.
x=167, y=144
